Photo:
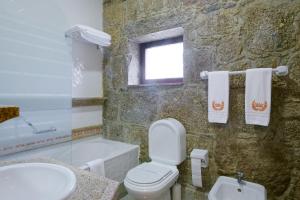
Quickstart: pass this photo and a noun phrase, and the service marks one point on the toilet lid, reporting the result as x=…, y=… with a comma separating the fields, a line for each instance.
x=147, y=173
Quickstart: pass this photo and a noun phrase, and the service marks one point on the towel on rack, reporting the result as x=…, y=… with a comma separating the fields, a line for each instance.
x=218, y=96
x=258, y=96
x=89, y=34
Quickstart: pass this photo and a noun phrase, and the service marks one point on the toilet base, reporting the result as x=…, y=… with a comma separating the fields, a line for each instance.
x=165, y=196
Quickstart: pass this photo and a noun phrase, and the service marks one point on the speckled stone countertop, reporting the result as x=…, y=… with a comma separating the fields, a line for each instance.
x=89, y=187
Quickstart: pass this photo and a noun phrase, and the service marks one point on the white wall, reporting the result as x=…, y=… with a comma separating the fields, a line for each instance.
x=36, y=64
x=87, y=76
x=86, y=116
x=87, y=68
x=87, y=12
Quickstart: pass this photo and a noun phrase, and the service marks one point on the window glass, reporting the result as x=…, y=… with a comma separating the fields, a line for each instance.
x=164, y=61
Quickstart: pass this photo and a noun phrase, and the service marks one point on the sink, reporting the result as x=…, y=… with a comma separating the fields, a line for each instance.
x=36, y=181
x=227, y=188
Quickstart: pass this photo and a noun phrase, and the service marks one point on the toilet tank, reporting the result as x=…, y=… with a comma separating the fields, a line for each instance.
x=167, y=141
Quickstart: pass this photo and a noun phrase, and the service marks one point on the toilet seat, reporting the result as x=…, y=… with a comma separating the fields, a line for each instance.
x=148, y=174
x=150, y=180
x=151, y=176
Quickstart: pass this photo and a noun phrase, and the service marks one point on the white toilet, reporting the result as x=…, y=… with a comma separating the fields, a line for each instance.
x=167, y=149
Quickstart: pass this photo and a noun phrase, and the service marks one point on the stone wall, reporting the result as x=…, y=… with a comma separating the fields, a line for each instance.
x=218, y=35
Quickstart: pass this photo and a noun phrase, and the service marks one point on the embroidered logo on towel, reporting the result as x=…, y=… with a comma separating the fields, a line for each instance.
x=259, y=106
x=218, y=106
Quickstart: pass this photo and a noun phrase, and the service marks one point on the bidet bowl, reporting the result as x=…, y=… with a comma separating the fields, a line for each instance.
x=227, y=188
x=36, y=181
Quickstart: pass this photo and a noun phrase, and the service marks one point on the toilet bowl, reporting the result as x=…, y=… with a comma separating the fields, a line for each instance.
x=167, y=149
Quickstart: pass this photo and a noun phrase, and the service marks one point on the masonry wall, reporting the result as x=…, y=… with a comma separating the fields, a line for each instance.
x=218, y=35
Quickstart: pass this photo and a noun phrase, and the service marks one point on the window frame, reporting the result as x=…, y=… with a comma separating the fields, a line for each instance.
x=142, y=51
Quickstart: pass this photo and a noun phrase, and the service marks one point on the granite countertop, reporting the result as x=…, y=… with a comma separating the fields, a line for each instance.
x=89, y=186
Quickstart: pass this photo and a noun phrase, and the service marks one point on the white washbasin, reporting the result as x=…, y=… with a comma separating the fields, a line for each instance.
x=36, y=181
x=227, y=188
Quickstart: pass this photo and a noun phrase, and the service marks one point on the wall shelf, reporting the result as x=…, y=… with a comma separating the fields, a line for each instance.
x=89, y=101
x=88, y=34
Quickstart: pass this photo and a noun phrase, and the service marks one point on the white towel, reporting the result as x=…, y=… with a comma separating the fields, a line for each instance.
x=258, y=96
x=90, y=34
x=218, y=96
x=96, y=167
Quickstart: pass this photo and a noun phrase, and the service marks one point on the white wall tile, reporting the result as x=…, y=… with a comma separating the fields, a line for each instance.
x=86, y=116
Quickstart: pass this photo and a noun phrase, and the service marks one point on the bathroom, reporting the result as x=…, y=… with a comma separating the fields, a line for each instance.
x=79, y=101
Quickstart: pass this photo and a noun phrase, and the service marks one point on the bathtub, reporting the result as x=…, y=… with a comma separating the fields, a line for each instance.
x=118, y=157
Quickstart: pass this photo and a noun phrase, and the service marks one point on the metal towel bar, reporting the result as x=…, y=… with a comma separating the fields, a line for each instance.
x=279, y=71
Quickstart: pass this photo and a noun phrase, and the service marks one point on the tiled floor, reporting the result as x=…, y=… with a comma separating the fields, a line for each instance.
x=127, y=197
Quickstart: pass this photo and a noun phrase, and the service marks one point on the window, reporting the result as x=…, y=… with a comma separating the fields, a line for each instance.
x=162, y=61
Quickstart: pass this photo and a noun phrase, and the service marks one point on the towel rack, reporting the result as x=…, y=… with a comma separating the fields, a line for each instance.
x=279, y=71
